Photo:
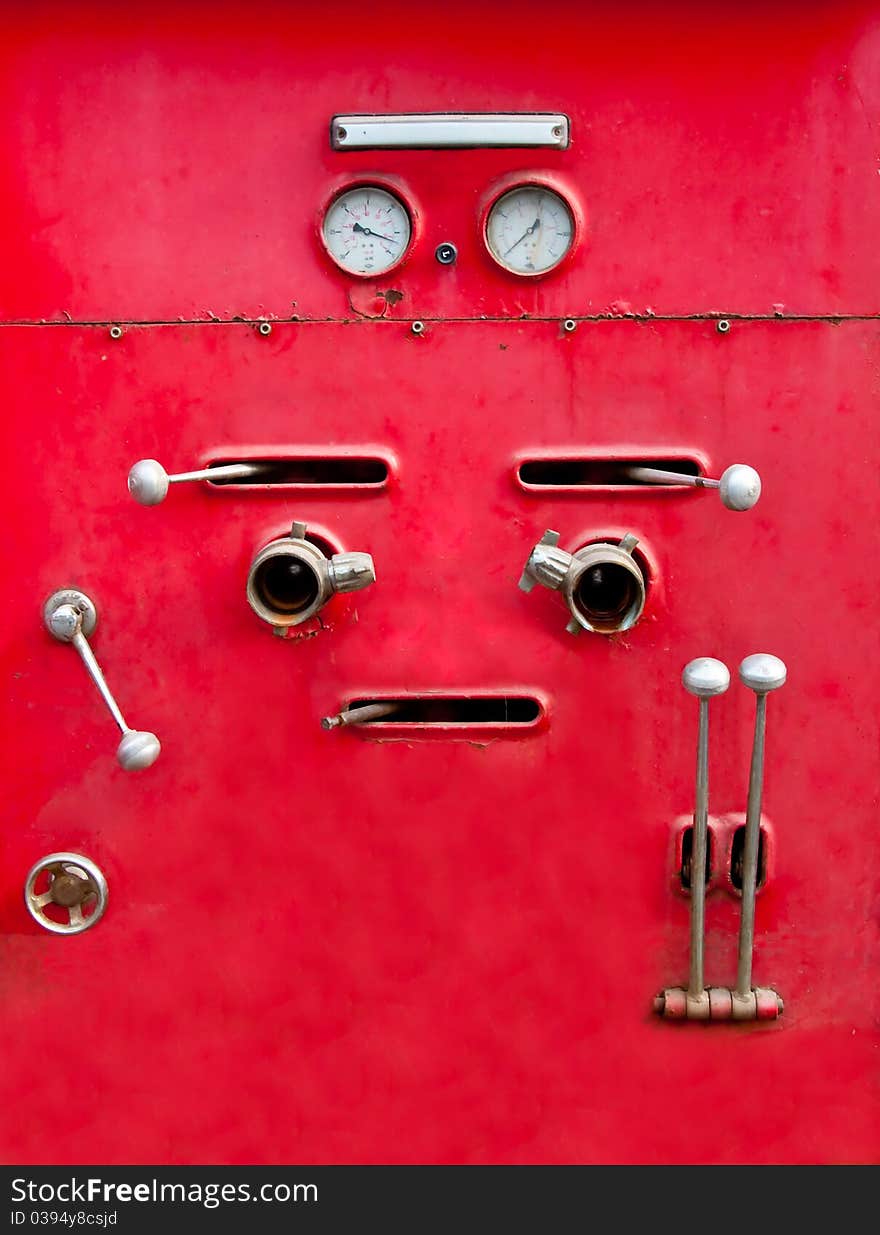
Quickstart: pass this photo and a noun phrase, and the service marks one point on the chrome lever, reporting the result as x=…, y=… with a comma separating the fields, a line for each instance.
x=704, y=678
x=740, y=485
x=70, y=616
x=762, y=674
x=148, y=481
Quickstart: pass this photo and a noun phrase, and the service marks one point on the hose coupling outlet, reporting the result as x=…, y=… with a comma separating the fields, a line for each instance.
x=290, y=579
x=603, y=584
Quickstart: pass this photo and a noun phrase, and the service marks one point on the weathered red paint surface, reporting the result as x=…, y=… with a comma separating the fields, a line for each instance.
x=322, y=947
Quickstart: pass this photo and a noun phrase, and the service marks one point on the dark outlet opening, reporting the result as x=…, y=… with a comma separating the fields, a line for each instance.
x=737, y=859
x=363, y=472
x=687, y=852
x=285, y=584
x=598, y=473
x=606, y=592
x=455, y=710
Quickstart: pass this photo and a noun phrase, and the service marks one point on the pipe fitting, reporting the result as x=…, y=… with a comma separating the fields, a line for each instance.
x=290, y=579
x=602, y=584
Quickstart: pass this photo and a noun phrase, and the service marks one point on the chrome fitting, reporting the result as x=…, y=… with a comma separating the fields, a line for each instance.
x=290, y=579
x=603, y=585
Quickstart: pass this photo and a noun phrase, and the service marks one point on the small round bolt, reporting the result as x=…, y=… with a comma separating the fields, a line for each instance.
x=446, y=253
x=557, y=130
x=740, y=487
x=705, y=677
x=723, y=326
x=418, y=327
x=137, y=750
x=341, y=133
x=148, y=482
x=115, y=332
x=762, y=673
x=569, y=325
x=265, y=328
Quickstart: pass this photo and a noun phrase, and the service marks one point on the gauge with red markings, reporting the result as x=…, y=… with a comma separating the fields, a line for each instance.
x=367, y=230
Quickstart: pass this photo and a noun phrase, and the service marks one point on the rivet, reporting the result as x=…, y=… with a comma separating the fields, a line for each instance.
x=115, y=332
x=265, y=328
x=569, y=325
x=723, y=326
x=418, y=327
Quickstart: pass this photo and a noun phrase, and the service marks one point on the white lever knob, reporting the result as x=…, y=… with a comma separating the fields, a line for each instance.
x=740, y=485
x=70, y=616
x=148, y=481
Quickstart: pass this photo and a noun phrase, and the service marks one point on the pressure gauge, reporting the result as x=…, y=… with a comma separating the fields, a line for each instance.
x=366, y=230
x=529, y=229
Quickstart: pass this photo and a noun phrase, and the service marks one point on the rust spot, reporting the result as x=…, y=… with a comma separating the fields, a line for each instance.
x=392, y=296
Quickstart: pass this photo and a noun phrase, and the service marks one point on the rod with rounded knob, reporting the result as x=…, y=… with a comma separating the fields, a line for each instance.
x=705, y=678
x=762, y=674
x=148, y=481
x=739, y=485
x=70, y=616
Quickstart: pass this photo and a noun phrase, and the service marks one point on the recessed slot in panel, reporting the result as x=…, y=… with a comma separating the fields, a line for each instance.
x=309, y=472
x=453, y=711
x=687, y=853
x=737, y=858
x=586, y=473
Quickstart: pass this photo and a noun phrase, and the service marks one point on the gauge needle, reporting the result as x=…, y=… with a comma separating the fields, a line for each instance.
x=528, y=232
x=367, y=232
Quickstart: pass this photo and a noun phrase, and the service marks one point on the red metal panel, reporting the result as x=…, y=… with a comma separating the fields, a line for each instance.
x=328, y=947
x=173, y=161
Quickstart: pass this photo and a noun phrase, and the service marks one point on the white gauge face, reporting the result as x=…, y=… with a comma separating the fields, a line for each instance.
x=367, y=230
x=530, y=229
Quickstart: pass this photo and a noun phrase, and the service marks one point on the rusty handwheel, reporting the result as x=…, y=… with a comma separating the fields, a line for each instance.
x=70, y=883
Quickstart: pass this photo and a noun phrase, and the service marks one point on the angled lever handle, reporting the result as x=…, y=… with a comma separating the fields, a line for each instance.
x=148, y=481
x=740, y=485
x=70, y=616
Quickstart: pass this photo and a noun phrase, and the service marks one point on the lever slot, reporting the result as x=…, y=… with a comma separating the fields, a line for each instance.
x=592, y=473
x=449, y=711
x=306, y=472
x=687, y=850
x=737, y=859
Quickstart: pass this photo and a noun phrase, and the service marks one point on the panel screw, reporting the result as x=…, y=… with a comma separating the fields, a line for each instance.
x=418, y=327
x=341, y=133
x=265, y=328
x=569, y=325
x=115, y=332
x=446, y=253
x=723, y=327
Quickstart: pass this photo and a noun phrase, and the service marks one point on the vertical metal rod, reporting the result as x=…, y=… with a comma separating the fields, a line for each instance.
x=696, y=984
x=750, y=857
x=81, y=643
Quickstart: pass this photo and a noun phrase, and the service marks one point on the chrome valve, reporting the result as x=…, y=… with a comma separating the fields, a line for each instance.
x=70, y=616
x=603, y=585
x=74, y=885
x=290, y=579
x=740, y=485
x=148, y=481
